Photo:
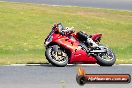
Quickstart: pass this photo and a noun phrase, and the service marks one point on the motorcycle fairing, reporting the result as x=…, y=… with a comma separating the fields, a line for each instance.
x=77, y=53
x=96, y=36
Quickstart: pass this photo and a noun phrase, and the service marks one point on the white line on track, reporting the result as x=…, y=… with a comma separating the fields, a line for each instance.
x=67, y=65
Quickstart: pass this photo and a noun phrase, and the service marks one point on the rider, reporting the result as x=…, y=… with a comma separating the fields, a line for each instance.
x=60, y=29
x=81, y=35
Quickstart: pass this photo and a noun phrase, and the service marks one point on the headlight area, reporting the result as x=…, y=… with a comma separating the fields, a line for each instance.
x=48, y=40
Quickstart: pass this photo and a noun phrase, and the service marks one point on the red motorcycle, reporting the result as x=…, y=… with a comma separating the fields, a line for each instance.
x=71, y=48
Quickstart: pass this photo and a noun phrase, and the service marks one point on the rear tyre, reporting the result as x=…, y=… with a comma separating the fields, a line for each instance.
x=57, y=58
x=106, y=59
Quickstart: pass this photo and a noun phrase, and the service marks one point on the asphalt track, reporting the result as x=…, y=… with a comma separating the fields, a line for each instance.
x=111, y=4
x=47, y=76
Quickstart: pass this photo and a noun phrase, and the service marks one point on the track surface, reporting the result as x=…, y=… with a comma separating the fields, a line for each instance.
x=47, y=76
x=112, y=4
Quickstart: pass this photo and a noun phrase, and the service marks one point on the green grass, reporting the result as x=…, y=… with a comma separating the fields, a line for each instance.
x=23, y=28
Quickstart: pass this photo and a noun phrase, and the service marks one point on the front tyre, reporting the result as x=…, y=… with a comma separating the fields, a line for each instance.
x=106, y=59
x=57, y=58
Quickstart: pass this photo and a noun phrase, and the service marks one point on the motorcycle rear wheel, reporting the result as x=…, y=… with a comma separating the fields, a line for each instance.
x=107, y=59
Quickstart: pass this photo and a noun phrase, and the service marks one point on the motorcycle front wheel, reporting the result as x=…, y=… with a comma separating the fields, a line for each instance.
x=106, y=59
x=57, y=58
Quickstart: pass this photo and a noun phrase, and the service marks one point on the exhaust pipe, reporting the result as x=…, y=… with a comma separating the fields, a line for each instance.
x=97, y=51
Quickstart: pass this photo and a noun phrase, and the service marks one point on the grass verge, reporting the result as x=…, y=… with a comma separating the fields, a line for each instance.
x=23, y=28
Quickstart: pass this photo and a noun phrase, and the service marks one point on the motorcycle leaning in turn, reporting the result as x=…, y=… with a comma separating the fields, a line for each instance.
x=70, y=47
